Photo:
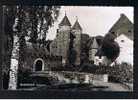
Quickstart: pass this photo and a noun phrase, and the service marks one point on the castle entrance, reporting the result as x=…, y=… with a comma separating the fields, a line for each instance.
x=39, y=64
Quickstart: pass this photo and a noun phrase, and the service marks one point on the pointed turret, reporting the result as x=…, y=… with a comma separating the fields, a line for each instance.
x=77, y=26
x=65, y=24
x=77, y=31
x=93, y=50
x=65, y=21
x=63, y=39
x=94, y=44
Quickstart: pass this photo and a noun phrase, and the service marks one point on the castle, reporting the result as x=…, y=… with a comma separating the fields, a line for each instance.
x=40, y=59
x=60, y=44
x=85, y=47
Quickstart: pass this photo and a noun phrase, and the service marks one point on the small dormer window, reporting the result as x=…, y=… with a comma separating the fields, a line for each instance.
x=122, y=40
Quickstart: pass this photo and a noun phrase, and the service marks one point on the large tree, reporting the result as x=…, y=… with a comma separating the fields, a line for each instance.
x=22, y=21
x=7, y=24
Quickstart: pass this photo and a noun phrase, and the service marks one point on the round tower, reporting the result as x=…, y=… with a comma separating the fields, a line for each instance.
x=63, y=38
x=93, y=50
x=77, y=31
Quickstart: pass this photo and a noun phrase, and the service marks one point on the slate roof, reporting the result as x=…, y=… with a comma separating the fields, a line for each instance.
x=36, y=49
x=122, y=26
x=77, y=26
x=98, y=39
x=65, y=21
x=94, y=44
x=122, y=20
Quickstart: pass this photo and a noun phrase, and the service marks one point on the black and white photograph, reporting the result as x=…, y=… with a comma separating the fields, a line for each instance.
x=67, y=48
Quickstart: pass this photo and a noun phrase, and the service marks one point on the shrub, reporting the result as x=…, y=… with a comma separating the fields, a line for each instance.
x=118, y=73
x=121, y=72
x=23, y=76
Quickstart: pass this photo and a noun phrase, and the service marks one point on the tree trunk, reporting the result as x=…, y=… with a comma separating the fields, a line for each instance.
x=14, y=64
x=7, y=42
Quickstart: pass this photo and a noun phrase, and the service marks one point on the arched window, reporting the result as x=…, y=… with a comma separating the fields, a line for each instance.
x=39, y=64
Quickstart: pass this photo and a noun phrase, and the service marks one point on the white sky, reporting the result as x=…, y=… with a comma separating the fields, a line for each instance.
x=94, y=20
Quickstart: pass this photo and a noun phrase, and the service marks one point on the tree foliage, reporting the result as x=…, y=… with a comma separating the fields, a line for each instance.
x=122, y=72
x=109, y=47
x=28, y=23
x=36, y=20
x=119, y=72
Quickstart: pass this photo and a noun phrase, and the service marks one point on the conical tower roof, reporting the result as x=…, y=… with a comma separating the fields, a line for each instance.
x=65, y=21
x=94, y=44
x=77, y=26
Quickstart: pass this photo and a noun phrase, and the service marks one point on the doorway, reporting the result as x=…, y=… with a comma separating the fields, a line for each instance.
x=39, y=64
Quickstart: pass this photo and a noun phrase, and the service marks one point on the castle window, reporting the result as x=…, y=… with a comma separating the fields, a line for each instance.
x=129, y=31
x=122, y=40
x=38, y=64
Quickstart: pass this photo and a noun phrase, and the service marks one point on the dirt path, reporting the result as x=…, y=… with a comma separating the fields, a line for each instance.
x=113, y=86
